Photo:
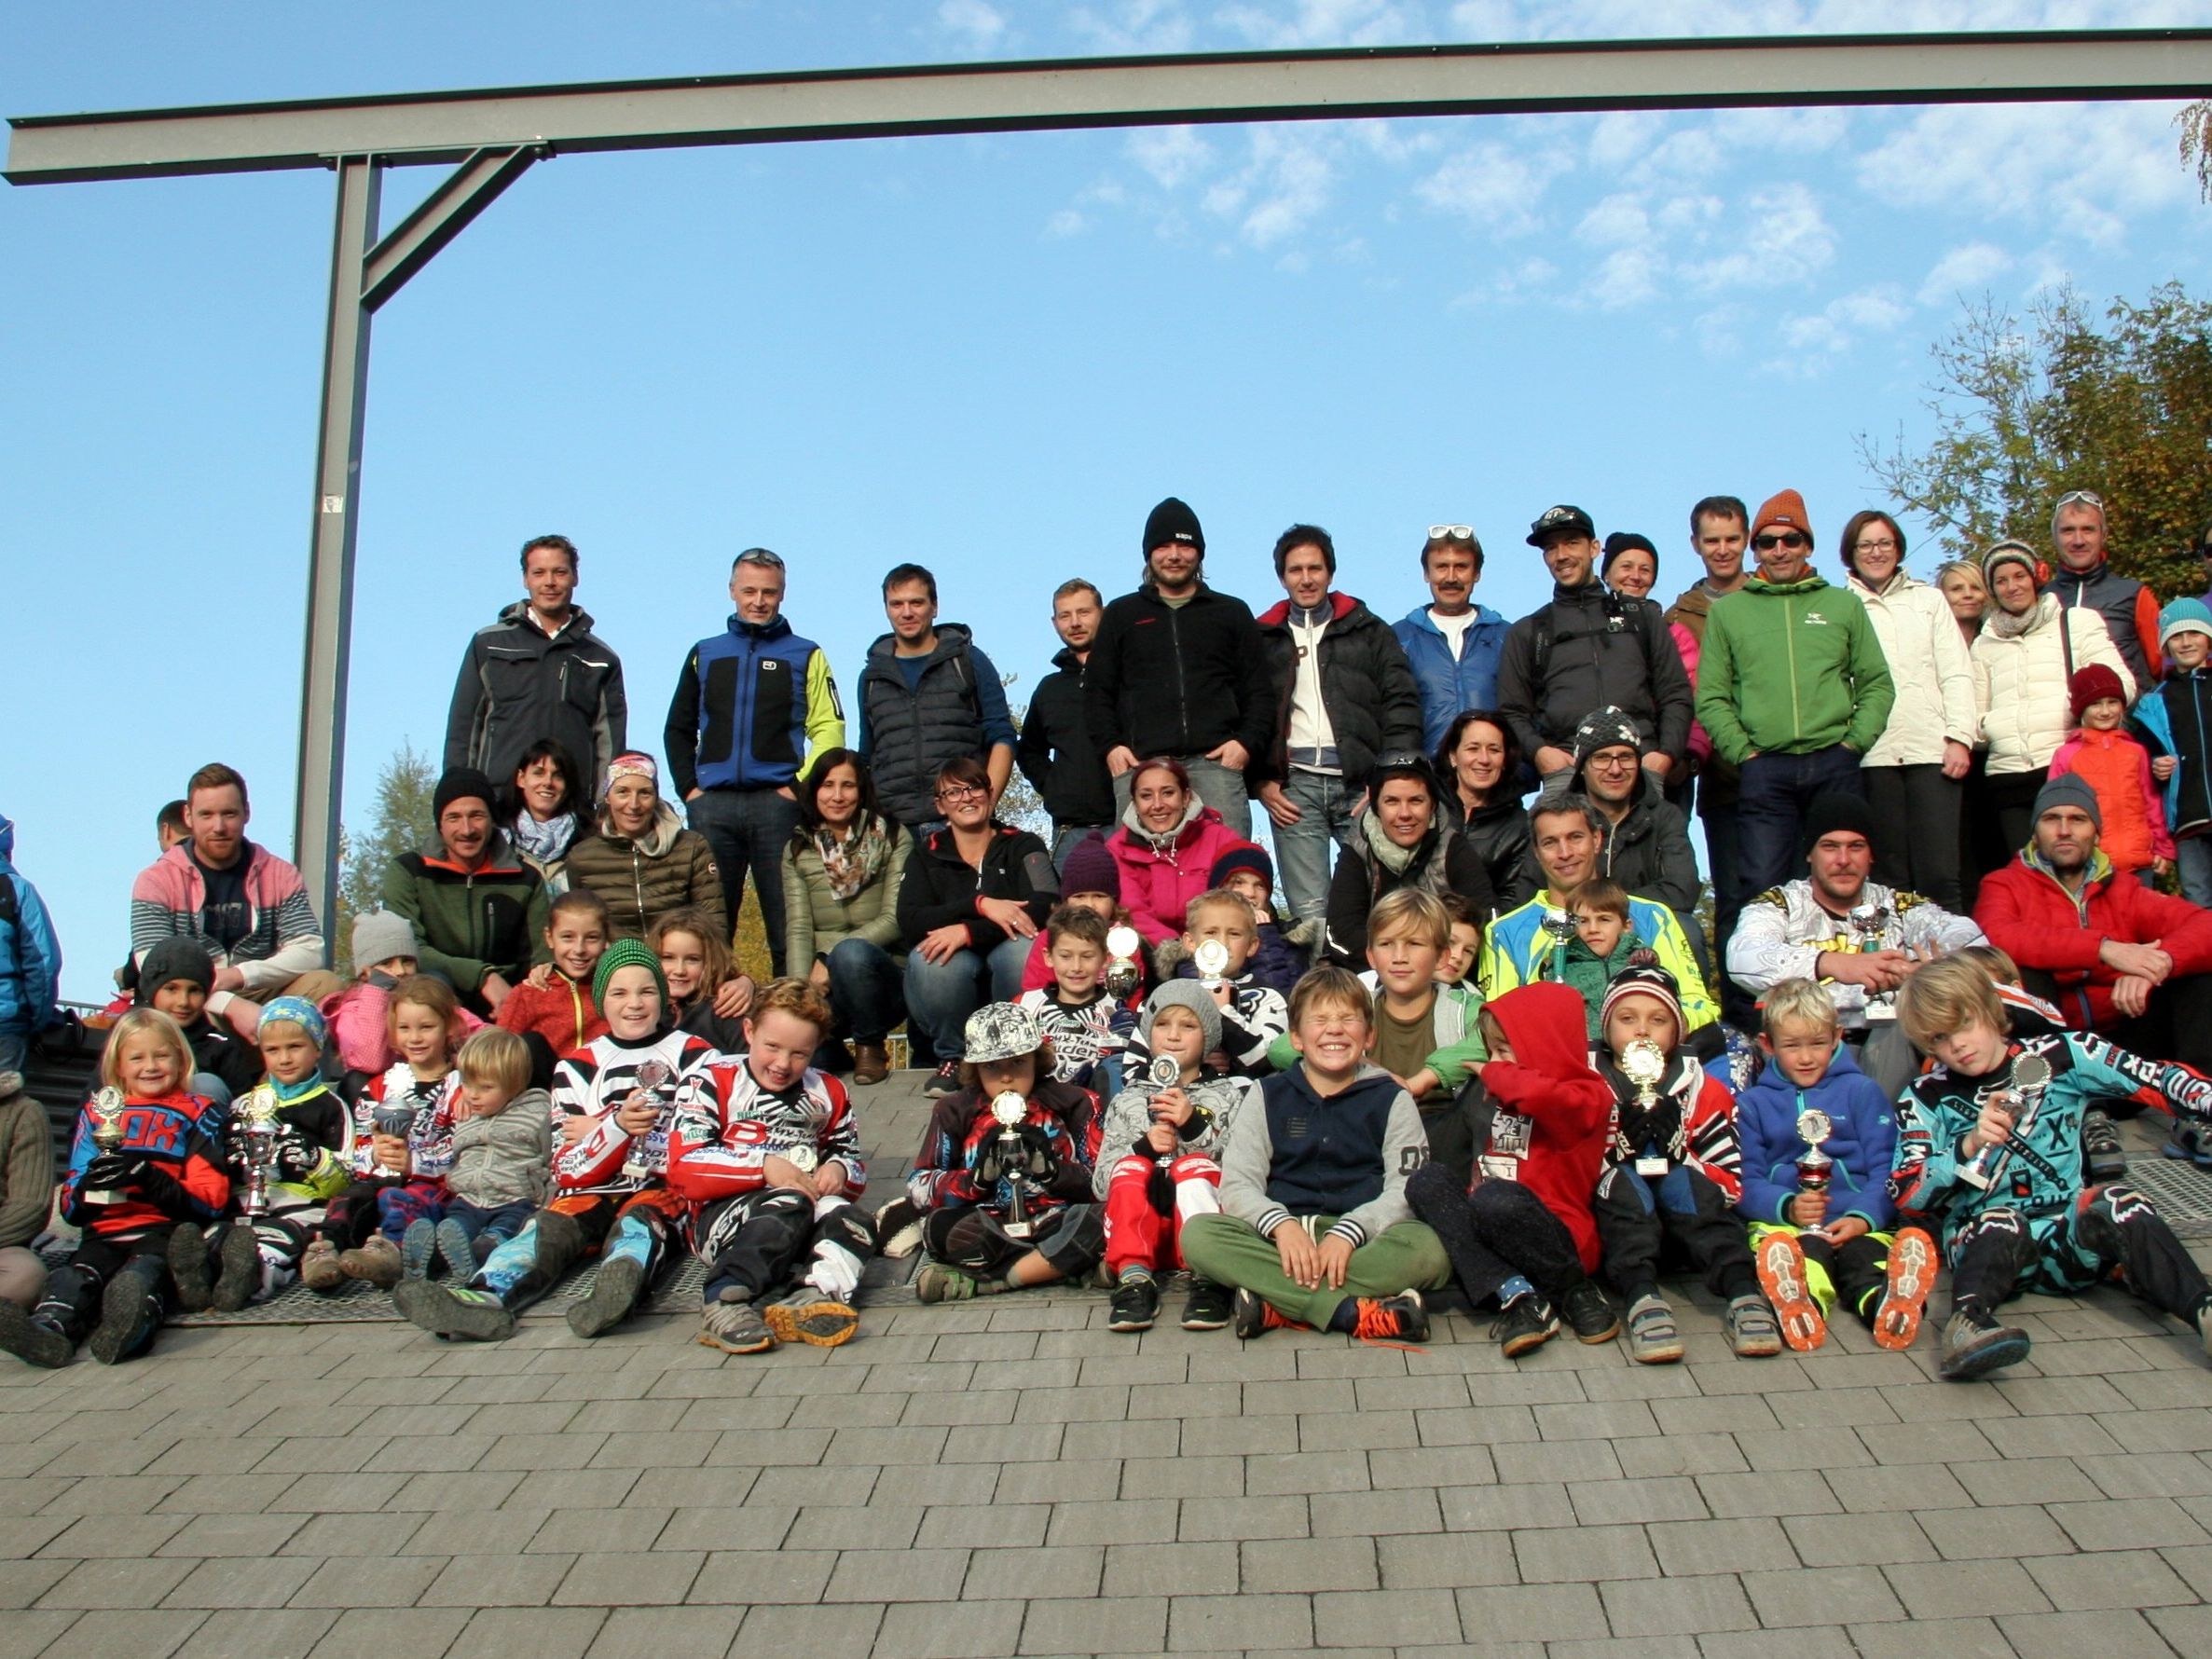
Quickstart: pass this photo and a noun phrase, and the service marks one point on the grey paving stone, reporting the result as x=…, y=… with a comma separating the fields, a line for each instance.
x=764, y=1575
x=2002, y=1533
x=662, y=1632
x=1666, y=1497
x=1529, y=1612
x=845, y=1527
x=1132, y=1623
x=1061, y=1572
x=498, y=1581
x=949, y=1630
x=130, y=1632
x=382, y=1581
x=1171, y=1569
x=24, y=1634
x=1375, y=1514
x=1947, y=1589
x=1857, y=1539
x=629, y=1578
x=267, y=1633
x=2108, y=1634
x=1677, y=1607
x=89, y=1537
x=1482, y=1509
x=1217, y=1623
x=782, y=1632
x=1585, y=1554
x=1126, y=1521
x=1757, y=1644
x=472, y=1531
x=94, y=1583
x=1753, y=1544
x=2108, y=1578
x=378, y=1633
x=1402, y=1619
x=1309, y=1563
x=894, y=1576
x=2126, y=1524
x=1188, y=1477
x=530, y=1633
x=1306, y=1472
x=1092, y=1480
x=1204, y=1520
x=1964, y=1637
x=232, y=1582
x=1446, y=1561
x=1557, y=1461
x=1650, y=1456
x=1836, y=1595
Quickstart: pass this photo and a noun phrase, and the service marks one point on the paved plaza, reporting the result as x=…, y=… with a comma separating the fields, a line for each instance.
x=1008, y=1477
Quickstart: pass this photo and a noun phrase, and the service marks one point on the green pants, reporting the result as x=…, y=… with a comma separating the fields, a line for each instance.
x=1227, y=1250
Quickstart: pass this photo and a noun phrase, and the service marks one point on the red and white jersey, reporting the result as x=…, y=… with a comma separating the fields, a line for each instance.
x=727, y=1125
x=593, y=1082
x=429, y=1141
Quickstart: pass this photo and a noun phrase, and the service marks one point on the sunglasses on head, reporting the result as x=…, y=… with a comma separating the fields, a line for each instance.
x=1792, y=539
x=1451, y=532
x=2085, y=498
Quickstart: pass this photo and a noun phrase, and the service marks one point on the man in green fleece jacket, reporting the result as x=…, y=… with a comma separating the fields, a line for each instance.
x=1791, y=686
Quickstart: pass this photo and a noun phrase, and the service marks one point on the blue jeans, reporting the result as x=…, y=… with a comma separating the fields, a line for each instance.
x=1211, y=782
x=1065, y=836
x=940, y=996
x=14, y=1047
x=1302, y=849
x=867, y=990
x=1770, y=815
x=747, y=829
x=2192, y=862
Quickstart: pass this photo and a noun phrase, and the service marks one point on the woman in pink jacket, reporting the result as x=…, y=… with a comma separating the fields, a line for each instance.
x=1164, y=849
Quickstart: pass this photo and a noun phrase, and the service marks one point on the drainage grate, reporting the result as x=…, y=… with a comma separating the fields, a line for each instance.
x=2181, y=1191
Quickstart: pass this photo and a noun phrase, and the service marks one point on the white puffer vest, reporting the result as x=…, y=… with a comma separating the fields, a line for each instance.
x=2020, y=675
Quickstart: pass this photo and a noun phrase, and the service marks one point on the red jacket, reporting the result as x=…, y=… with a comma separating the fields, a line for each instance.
x=563, y=1013
x=1555, y=1114
x=1158, y=886
x=2034, y=920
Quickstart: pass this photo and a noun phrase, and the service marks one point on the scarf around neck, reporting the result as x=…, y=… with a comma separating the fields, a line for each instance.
x=547, y=843
x=853, y=859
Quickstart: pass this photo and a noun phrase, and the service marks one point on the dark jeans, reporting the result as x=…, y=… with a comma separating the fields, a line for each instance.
x=1917, y=808
x=1723, y=866
x=867, y=990
x=1777, y=790
x=2008, y=816
x=747, y=829
x=1496, y=1232
x=1638, y=1216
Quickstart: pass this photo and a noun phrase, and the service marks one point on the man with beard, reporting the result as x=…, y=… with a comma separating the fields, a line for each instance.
x=478, y=911
x=1054, y=749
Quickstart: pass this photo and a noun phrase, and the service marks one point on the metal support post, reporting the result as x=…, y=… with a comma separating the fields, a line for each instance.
x=337, y=504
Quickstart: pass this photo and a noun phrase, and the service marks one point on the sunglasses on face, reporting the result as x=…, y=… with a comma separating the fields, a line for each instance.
x=1792, y=539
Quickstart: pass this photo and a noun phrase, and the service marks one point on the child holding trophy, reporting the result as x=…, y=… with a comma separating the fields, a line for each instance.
x=1158, y=1158
x=1087, y=1024
x=1003, y=1178
x=766, y=1147
x=1990, y=1150
x=143, y=1161
x=1819, y=1140
x=1222, y=932
x=1670, y=1174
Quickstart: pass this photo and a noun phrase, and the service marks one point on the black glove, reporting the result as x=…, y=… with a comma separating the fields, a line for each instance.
x=296, y=1157
x=110, y=1171
x=990, y=1163
x=1041, y=1160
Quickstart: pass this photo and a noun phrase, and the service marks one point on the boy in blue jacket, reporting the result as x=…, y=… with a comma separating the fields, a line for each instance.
x=2174, y=722
x=1833, y=1236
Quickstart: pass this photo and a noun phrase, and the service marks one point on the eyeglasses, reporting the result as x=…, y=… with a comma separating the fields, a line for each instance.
x=1451, y=532
x=960, y=792
x=1792, y=539
x=1876, y=545
x=2085, y=498
x=1610, y=762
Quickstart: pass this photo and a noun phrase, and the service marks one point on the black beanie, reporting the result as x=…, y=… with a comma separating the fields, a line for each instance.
x=1837, y=810
x=460, y=783
x=1173, y=521
x=180, y=956
x=1619, y=543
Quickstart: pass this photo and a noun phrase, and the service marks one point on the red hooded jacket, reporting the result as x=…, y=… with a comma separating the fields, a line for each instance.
x=1554, y=1112
x=2034, y=920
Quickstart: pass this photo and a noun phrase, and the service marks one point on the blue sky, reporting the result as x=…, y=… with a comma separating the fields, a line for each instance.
x=989, y=354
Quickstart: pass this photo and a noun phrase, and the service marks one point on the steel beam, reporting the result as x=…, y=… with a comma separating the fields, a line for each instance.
x=445, y=213
x=330, y=571
x=448, y=127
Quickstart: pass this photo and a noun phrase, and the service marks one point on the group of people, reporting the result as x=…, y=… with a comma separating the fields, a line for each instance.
x=1544, y=1060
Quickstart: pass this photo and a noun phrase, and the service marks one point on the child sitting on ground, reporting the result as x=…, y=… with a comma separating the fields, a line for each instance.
x=2133, y=833
x=1990, y=1151
x=1672, y=1172
x=310, y=1161
x=1603, y=947
x=176, y=979
x=553, y=1008
x=2102, y=1156
x=1086, y=1026
x=385, y=951
x=1247, y=871
x=767, y=1148
x=1253, y=1015
x=1521, y=1231
x=1466, y=940
x=1092, y=880
x=403, y=1128
x=1314, y=1232
x=708, y=992
x=613, y=1100
x=165, y=1174
x=1006, y=1204
x=1833, y=1237
x=1159, y=1159
x=501, y=1153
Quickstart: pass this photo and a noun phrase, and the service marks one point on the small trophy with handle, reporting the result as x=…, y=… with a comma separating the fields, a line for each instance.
x=1122, y=974
x=651, y=1075
x=1643, y=1063
x=394, y=1123
x=258, y=1135
x=1816, y=1169
x=1869, y=922
x=2019, y=1101
x=1010, y=1109
x=1211, y=958
x=105, y=1109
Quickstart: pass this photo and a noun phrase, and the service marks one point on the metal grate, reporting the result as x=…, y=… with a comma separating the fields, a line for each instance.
x=2181, y=1191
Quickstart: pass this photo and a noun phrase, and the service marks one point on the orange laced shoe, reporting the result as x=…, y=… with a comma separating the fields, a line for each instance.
x=1382, y=1318
x=1911, y=1273
x=1781, y=1262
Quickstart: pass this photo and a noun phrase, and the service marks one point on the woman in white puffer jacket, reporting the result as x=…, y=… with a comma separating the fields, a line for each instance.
x=1913, y=775
x=2031, y=646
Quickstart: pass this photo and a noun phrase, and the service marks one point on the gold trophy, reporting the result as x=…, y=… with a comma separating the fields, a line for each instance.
x=257, y=1132
x=1643, y=1063
x=1122, y=974
x=105, y=1109
x=1009, y=1109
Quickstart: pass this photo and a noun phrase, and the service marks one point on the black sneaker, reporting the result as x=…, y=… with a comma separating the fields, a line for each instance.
x=1590, y=1315
x=1252, y=1314
x=1208, y=1307
x=944, y=1081
x=2101, y=1154
x=616, y=1291
x=130, y=1313
x=38, y=1342
x=1381, y=1318
x=1135, y=1307
x=241, y=1273
x=189, y=1267
x=1524, y=1324
x=1974, y=1344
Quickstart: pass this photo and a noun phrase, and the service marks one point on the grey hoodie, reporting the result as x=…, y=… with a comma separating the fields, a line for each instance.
x=504, y=1158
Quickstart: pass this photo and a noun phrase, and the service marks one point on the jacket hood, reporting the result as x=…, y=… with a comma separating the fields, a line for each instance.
x=1902, y=582
x=1549, y=1029
x=1806, y=583
x=951, y=638
x=1840, y=1064
x=657, y=841
x=1196, y=815
x=1339, y=606
x=1697, y=600
x=1065, y=659
x=1419, y=618
x=518, y=615
x=775, y=627
x=7, y=837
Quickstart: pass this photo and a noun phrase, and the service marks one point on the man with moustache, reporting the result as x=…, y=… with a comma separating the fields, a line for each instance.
x=1054, y=749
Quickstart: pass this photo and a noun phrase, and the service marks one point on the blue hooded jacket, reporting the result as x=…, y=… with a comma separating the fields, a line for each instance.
x=30, y=954
x=1446, y=686
x=1864, y=1145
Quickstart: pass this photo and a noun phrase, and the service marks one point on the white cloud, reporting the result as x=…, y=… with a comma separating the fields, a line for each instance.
x=1625, y=277
x=1065, y=223
x=1782, y=238
x=1326, y=22
x=1616, y=220
x=1496, y=189
x=1279, y=190
x=1132, y=26
x=1962, y=270
x=977, y=22
x=1169, y=154
x=1832, y=329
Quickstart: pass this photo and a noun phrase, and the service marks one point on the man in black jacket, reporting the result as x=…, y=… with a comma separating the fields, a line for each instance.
x=1054, y=749
x=538, y=672
x=1177, y=671
x=1343, y=697
x=1590, y=648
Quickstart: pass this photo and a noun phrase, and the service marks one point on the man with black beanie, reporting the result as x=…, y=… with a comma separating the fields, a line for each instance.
x=1177, y=671
x=1860, y=939
x=478, y=909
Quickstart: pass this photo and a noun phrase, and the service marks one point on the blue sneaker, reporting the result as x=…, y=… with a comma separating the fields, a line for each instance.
x=459, y=1250
x=2186, y=1146
x=418, y=1248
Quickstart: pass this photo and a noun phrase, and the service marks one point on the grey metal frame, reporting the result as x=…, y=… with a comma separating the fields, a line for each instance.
x=495, y=135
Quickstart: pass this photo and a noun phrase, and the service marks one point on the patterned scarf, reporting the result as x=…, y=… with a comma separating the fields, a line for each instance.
x=853, y=859
x=548, y=842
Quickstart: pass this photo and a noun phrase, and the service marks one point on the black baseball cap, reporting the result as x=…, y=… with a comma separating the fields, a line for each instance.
x=1561, y=521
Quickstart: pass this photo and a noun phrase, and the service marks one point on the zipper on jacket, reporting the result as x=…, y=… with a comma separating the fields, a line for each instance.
x=1789, y=637
x=742, y=714
x=1182, y=692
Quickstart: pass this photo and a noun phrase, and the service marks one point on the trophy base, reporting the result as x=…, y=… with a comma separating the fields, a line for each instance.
x=106, y=1197
x=1019, y=1230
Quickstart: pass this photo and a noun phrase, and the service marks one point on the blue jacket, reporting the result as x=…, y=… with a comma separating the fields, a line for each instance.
x=1446, y=686
x=746, y=705
x=2189, y=792
x=30, y=954
x=1865, y=1144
